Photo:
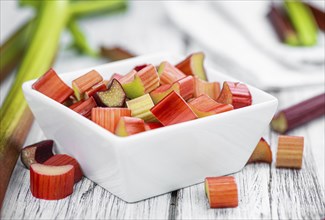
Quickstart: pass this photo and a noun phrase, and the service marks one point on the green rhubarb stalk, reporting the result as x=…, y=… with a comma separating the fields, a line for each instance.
x=15, y=116
x=303, y=22
x=12, y=50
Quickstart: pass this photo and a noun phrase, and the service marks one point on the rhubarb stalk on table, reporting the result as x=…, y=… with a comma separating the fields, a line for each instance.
x=15, y=115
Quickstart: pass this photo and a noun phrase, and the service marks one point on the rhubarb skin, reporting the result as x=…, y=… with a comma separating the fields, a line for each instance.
x=236, y=94
x=51, y=85
x=37, y=153
x=193, y=65
x=319, y=15
x=262, y=153
x=140, y=67
x=212, y=89
x=140, y=108
x=222, y=192
x=172, y=110
x=169, y=74
x=51, y=182
x=96, y=88
x=63, y=159
x=129, y=126
x=290, y=152
x=85, y=82
x=299, y=114
x=108, y=117
x=84, y=107
x=205, y=106
x=152, y=125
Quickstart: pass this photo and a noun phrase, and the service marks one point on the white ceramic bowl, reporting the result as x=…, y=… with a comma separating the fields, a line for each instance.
x=158, y=161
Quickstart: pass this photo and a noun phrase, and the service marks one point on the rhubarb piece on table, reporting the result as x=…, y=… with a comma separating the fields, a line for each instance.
x=290, y=152
x=128, y=126
x=51, y=182
x=84, y=107
x=319, y=15
x=108, y=117
x=236, y=94
x=262, y=153
x=96, y=88
x=51, y=85
x=303, y=21
x=152, y=125
x=169, y=74
x=63, y=159
x=115, y=53
x=282, y=26
x=212, y=89
x=37, y=153
x=140, y=108
x=193, y=65
x=222, y=192
x=184, y=87
x=298, y=114
x=136, y=84
x=172, y=110
x=85, y=82
x=114, y=96
x=204, y=106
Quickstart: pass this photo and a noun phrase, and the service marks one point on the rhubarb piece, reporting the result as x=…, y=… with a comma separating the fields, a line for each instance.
x=115, y=53
x=211, y=89
x=96, y=88
x=204, y=106
x=63, y=159
x=37, y=153
x=282, y=26
x=299, y=114
x=319, y=15
x=108, y=117
x=136, y=84
x=193, y=65
x=222, y=192
x=290, y=152
x=169, y=74
x=128, y=126
x=140, y=67
x=152, y=125
x=140, y=108
x=262, y=153
x=51, y=182
x=116, y=76
x=172, y=110
x=114, y=96
x=303, y=21
x=184, y=87
x=84, y=107
x=85, y=82
x=51, y=85
x=236, y=94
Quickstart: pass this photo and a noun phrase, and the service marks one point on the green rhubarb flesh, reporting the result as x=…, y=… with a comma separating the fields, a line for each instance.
x=140, y=108
x=134, y=88
x=197, y=65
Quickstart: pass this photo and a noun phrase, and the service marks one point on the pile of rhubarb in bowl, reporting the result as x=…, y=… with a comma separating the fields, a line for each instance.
x=148, y=97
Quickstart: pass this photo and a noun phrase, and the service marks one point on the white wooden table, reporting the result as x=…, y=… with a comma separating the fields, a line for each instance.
x=264, y=191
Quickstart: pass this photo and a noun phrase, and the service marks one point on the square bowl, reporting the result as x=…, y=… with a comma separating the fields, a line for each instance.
x=157, y=161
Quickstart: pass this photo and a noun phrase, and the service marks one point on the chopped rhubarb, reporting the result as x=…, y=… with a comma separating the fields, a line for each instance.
x=84, y=107
x=319, y=15
x=128, y=126
x=51, y=85
x=290, y=152
x=152, y=125
x=222, y=192
x=37, y=153
x=172, y=110
x=299, y=114
x=85, y=82
x=169, y=74
x=204, y=106
x=140, y=67
x=212, y=89
x=114, y=96
x=51, y=182
x=96, y=88
x=63, y=159
x=162, y=91
x=116, y=76
x=236, y=94
x=140, y=108
x=193, y=65
x=262, y=153
x=108, y=117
